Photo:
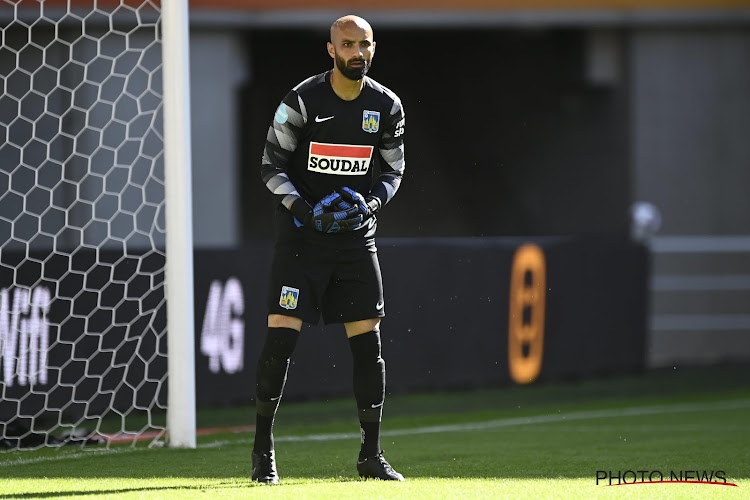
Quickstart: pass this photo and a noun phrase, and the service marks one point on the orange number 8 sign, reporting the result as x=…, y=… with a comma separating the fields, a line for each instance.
x=528, y=285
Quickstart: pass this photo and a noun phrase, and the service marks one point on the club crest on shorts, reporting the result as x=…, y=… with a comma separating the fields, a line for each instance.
x=289, y=296
x=370, y=121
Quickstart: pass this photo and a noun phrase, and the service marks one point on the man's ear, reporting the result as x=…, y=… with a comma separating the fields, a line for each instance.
x=331, y=52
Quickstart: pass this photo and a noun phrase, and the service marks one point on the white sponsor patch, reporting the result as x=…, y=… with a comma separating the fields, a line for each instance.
x=339, y=159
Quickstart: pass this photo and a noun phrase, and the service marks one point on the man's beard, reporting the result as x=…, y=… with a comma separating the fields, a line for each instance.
x=350, y=72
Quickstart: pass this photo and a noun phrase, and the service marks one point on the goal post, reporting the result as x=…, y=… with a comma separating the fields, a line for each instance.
x=96, y=276
x=180, y=330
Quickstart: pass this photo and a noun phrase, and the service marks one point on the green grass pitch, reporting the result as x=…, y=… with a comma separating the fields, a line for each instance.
x=538, y=441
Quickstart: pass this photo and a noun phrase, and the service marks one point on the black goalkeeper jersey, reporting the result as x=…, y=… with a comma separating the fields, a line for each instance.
x=319, y=142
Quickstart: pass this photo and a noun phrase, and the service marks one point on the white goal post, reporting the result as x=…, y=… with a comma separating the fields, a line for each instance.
x=176, y=67
x=96, y=256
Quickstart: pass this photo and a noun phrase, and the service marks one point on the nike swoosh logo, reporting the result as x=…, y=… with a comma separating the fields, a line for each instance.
x=320, y=120
x=377, y=405
x=379, y=306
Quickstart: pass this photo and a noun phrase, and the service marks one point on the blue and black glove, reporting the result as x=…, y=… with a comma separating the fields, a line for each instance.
x=328, y=217
x=365, y=206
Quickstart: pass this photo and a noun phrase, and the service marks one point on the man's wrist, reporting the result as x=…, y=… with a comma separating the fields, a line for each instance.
x=373, y=203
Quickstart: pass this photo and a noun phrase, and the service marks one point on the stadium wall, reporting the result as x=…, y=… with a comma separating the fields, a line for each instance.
x=449, y=304
x=462, y=313
x=690, y=120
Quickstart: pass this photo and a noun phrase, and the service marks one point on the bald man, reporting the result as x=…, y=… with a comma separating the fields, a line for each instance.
x=334, y=157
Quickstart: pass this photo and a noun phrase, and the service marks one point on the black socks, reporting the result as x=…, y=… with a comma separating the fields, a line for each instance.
x=271, y=377
x=369, y=388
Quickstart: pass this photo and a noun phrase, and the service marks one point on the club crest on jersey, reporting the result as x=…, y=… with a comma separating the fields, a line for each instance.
x=370, y=121
x=339, y=159
x=289, y=296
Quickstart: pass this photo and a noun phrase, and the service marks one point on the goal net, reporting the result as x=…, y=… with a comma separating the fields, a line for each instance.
x=82, y=224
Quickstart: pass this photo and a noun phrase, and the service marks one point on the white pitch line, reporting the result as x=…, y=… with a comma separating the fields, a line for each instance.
x=635, y=411
x=539, y=419
x=61, y=456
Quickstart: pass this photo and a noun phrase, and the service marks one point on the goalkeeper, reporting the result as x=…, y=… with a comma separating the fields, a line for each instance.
x=334, y=156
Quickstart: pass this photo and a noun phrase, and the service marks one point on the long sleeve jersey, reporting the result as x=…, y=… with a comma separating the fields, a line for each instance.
x=319, y=142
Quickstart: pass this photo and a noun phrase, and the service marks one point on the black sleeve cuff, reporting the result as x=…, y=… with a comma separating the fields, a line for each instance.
x=301, y=210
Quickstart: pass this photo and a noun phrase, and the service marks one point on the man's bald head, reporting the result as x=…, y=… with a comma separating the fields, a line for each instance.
x=348, y=22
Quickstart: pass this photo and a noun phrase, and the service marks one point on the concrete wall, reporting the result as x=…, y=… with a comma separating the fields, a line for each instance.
x=691, y=158
x=219, y=65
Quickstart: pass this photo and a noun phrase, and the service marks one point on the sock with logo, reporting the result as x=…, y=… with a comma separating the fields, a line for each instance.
x=369, y=389
x=271, y=377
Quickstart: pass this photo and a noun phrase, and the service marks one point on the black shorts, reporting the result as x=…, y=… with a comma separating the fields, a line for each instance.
x=343, y=284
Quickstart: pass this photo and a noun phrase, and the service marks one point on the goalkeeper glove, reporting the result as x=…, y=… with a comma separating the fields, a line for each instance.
x=366, y=207
x=327, y=218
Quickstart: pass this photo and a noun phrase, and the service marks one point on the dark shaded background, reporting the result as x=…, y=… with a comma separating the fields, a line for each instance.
x=504, y=134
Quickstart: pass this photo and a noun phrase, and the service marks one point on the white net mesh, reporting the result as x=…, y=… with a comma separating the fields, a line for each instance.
x=82, y=303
